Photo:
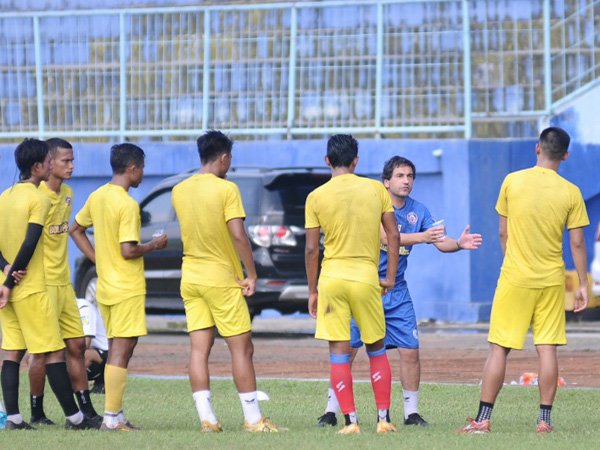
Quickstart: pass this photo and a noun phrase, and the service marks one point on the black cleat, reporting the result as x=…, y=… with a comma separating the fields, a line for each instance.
x=84, y=425
x=41, y=421
x=327, y=419
x=95, y=421
x=10, y=425
x=415, y=419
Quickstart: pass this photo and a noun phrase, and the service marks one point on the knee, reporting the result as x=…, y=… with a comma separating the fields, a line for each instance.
x=76, y=348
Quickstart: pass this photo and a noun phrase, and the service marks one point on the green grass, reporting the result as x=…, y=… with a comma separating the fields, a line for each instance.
x=165, y=410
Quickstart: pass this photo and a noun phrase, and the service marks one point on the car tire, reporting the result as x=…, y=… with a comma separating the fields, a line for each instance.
x=88, y=286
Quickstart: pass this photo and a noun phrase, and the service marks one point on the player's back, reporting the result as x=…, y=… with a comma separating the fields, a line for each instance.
x=538, y=204
x=204, y=203
x=116, y=219
x=21, y=205
x=348, y=209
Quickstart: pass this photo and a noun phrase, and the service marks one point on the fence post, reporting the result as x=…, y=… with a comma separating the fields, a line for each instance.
x=292, y=71
x=122, y=79
x=467, y=85
x=206, y=71
x=379, y=70
x=39, y=85
x=547, y=59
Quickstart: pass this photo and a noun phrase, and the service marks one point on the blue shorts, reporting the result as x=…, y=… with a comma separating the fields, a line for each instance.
x=400, y=322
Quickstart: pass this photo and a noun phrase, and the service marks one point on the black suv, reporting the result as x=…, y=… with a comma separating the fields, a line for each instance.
x=274, y=203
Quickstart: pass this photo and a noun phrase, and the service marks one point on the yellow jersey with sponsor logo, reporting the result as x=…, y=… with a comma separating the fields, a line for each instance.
x=56, y=234
x=21, y=205
x=204, y=203
x=538, y=204
x=115, y=217
x=348, y=209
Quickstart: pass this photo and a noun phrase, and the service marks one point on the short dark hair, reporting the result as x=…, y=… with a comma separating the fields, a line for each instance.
x=28, y=153
x=554, y=142
x=213, y=144
x=55, y=143
x=341, y=150
x=397, y=161
x=124, y=155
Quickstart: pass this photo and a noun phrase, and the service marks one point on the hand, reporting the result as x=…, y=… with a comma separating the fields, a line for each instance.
x=313, y=300
x=4, y=296
x=386, y=285
x=248, y=285
x=581, y=299
x=434, y=234
x=159, y=242
x=17, y=274
x=468, y=241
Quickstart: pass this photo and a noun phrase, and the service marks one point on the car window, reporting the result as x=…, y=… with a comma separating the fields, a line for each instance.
x=250, y=190
x=288, y=192
x=157, y=209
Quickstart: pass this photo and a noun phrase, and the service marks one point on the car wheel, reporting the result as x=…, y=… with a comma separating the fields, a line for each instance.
x=89, y=285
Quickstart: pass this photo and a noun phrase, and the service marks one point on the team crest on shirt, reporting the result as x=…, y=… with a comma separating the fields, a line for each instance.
x=68, y=200
x=412, y=218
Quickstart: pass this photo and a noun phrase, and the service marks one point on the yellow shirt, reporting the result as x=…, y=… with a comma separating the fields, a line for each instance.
x=204, y=203
x=21, y=205
x=115, y=217
x=56, y=234
x=538, y=204
x=348, y=209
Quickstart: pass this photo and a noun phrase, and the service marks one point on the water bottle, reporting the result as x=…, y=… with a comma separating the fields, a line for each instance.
x=2, y=416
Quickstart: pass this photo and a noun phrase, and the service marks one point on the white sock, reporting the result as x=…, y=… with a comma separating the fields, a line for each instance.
x=411, y=402
x=203, y=406
x=121, y=417
x=17, y=419
x=332, y=402
x=111, y=419
x=250, y=407
x=76, y=418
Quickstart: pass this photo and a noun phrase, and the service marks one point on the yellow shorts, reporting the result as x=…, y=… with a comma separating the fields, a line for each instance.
x=125, y=319
x=339, y=301
x=67, y=311
x=31, y=324
x=223, y=307
x=516, y=308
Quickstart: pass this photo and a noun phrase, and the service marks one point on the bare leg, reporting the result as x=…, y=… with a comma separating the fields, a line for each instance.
x=242, y=350
x=37, y=374
x=121, y=351
x=410, y=368
x=201, y=344
x=548, y=375
x=76, y=363
x=494, y=372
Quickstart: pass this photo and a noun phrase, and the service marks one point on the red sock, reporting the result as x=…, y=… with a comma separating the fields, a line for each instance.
x=381, y=380
x=341, y=382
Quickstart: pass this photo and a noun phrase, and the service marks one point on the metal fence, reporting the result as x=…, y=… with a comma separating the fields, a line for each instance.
x=477, y=68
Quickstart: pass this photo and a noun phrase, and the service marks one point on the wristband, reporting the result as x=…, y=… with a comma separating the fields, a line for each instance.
x=458, y=247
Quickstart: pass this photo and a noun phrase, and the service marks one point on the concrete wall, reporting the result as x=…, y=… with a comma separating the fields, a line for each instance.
x=458, y=180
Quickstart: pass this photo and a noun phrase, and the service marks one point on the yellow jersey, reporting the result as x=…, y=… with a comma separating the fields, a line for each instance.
x=115, y=217
x=348, y=209
x=538, y=204
x=204, y=203
x=21, y=205
x=56, y=234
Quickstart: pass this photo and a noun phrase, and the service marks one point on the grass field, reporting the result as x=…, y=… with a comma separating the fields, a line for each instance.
x=165, y=410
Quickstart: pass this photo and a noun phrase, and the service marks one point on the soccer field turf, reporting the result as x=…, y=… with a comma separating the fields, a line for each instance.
x=165, y=410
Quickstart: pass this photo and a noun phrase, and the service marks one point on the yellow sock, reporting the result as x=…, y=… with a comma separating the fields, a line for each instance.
x=115, y=380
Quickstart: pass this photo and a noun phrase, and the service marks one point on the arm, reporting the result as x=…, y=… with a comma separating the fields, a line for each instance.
x=390, y=226
x=466, y=241
x=32, y=236
x=244, y=250
x=577, y=241
x=82, y=242
x=134, y=250
x=429, y=236
x=503, y=232
x=311, y=260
